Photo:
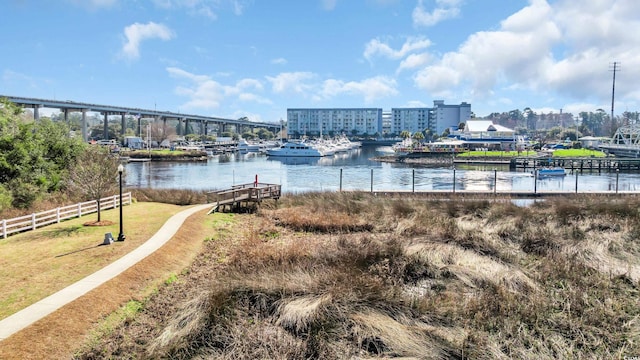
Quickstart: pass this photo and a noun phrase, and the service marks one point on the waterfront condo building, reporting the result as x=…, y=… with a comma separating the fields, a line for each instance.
x=437, y=119
x=313, y=122
x=373, y=121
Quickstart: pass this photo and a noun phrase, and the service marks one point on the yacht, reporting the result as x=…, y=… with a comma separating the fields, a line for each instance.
x=293, y=148
x=245, y=146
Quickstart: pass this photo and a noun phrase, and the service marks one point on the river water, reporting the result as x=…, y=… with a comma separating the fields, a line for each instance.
x=358, y=173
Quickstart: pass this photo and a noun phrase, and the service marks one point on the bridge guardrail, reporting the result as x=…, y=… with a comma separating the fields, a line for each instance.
x=44, y=218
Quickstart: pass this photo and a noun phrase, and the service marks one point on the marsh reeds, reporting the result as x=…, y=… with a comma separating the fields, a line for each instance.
x=352, y=275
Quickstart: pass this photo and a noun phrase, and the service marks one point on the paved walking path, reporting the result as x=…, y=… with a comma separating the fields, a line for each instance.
x=48, y=305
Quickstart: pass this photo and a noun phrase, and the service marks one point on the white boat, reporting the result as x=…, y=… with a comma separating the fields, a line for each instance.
x=293, y=148
x=245, y=146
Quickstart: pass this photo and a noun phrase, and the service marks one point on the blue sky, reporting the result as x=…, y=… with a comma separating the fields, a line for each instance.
x=256, y=58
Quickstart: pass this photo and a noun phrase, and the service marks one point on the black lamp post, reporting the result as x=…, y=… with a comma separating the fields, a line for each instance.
x=121, y=236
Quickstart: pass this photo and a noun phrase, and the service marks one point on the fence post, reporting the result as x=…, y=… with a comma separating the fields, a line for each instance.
x=57, y=215
x=413, y=180
x=33, y=221
x=4, y=229
x=495, y=180
x=454, y=180
x=372, y=180
x=79, y=210
x=116, y=201
x=340, y=180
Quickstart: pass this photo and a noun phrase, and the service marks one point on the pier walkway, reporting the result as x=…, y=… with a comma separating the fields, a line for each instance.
x=244, y=196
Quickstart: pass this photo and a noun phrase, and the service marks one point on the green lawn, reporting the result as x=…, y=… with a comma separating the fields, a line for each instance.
x=576, y=153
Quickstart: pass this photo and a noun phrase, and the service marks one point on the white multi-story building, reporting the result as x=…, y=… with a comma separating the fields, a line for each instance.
x=410, y=119
x=438, y=118
x=370, y=121
x=314, y=122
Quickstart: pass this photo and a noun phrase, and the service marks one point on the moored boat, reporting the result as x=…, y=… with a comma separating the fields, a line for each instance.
x=293, y=148
x=549, y=172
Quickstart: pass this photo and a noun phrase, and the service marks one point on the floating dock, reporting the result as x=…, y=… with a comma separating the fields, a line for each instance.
x=607, y=164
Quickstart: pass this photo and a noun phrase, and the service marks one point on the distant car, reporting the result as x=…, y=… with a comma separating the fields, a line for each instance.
x=558, y=146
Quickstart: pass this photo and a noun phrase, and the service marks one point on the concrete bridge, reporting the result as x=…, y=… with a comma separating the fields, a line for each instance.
x=204, y=122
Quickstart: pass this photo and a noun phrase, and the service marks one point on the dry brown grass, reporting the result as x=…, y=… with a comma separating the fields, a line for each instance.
x=403, y=277
x=36, y=264
x=58, y=335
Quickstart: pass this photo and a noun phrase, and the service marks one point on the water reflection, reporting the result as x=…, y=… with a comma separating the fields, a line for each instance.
x=359, y=172
x=301, y=160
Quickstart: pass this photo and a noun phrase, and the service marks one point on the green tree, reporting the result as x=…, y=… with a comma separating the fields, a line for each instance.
x=34, y=156
x=248, y=135
x=405, y=134
x=94, y=174
x=418, y=136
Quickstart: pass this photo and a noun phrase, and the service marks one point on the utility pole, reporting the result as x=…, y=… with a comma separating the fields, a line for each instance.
x=613, y=67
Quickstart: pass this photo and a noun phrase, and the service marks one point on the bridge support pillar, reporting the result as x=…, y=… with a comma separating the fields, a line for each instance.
x=36, y=112
x=105, y=129
x=123, y=126
x=85, y=136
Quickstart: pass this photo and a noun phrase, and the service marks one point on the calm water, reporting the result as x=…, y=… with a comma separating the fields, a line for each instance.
x=316, y=174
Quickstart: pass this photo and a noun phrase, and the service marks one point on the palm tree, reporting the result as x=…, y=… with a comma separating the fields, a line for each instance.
x=418, y=136
x=405, y=134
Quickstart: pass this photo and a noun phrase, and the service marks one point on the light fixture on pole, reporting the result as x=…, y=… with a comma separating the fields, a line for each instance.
x=121, y=236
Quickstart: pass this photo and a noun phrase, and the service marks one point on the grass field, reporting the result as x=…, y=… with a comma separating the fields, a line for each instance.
x=577, y=153
x=38, y=263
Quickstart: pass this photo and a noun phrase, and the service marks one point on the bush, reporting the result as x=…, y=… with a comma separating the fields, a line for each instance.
x=6, y=199
x=24, y=194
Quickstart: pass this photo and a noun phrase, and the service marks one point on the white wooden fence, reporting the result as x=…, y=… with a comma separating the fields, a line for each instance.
x=36, y=220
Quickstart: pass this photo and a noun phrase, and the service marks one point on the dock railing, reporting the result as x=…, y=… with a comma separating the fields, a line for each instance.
x=251, y=192
x=44, y=218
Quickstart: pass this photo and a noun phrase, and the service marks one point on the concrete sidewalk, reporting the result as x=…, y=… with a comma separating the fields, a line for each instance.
x=48, y=305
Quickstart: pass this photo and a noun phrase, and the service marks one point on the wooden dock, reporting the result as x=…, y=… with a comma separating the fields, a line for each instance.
x=607, y=164
x=244, y=197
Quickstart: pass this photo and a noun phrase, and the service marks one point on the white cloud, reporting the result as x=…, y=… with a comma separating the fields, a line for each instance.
x=414, y=61
x=279, y=61
x=445, y=9
x=370, y=89
x=297, y=82
x=561, y=48
x=205, y=93
x=378, y=47
x=136, y=33
x=307, y=85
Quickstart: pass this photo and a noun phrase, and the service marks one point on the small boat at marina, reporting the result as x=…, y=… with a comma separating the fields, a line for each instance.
x=245, y=146
x=293, y=148
x=550, y=172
